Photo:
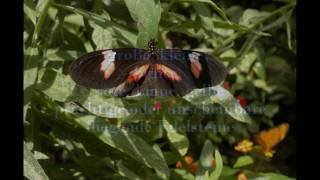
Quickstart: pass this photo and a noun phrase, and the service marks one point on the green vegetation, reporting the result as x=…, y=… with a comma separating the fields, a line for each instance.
x=71, y=132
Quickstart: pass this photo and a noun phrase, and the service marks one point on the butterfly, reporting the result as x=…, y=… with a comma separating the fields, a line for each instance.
x=270, y=138
x=150, y=72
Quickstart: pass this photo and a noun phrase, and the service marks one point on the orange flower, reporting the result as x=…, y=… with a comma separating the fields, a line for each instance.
x=244, y=146
x=179, y=164
x=242, y=176
x=193, y=168
x=188, y=159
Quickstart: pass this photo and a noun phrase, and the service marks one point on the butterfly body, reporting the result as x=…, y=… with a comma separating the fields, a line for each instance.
x=151, y=72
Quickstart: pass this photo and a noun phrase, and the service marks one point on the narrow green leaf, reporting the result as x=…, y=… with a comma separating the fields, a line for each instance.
x=31, y=168
x=288, y=28
x=243, y=161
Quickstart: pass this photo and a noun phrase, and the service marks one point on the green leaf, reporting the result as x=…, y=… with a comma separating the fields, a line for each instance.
x=182, y=174
x=74, y=19
x=125, y=172
x=259, y=69
x=147, y=14
x=243, y=161
x=188, y=28
x=30, y=72
x=221, y=96
x=228, y=171
x=119, y=30
x=206, y=158
x=206, y=155
x=62, y=88
x=205, y=15
x=250, y=16
x=32, y=55
x=157, y=148
x=39, y=155
x=30, y=10
x=125, y=142
x=178, y=140
x=102, y=37
x=211, y=3
x=109, y=134
x=219, y=166
x=271, y=109
x=67, y=55
x=247, y=61
x=31, y=168
x=171, y=157
x=259, y=83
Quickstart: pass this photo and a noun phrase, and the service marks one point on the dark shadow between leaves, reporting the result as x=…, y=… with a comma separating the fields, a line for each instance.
x=27, y=93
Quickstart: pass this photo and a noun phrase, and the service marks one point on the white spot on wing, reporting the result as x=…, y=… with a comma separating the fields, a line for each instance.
x=109, y=57
x=194, y=57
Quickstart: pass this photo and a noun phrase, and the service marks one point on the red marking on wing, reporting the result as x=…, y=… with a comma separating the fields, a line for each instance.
x=138, y=73
x=167, y=72
x=196, y=68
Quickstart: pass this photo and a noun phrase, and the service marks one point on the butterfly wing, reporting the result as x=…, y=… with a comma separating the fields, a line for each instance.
x=108, y=68
x=196, y=69
x=270, y=138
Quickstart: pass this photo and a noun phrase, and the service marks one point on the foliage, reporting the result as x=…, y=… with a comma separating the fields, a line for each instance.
x=84, y=133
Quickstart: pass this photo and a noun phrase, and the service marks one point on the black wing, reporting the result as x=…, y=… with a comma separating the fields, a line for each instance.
x=106, y=68
x=197, y=69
